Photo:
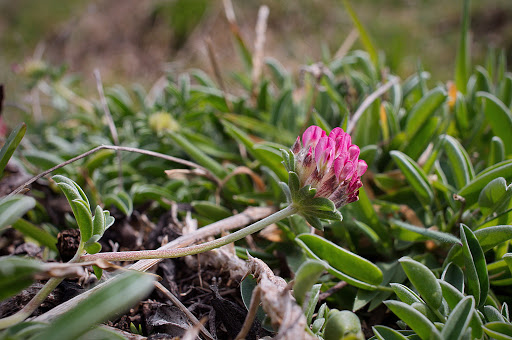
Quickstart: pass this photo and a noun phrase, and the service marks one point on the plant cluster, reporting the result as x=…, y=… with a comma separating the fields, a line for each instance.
x=425, y=232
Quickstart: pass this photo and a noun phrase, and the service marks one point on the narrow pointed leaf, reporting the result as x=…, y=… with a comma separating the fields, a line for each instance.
x=458, y=160
x=419, y=323
x=498, y=330
x=342, y=263
x=459, y=319
x=10, y=145
x=415, y=176
x=430, y=234
x=476, y=269
x=472, y=190
x=113, y=298
x=462, y=65
x=14, y=207
x=386, y=333
x=423, y=110
x=499, y=118
x=424, y=281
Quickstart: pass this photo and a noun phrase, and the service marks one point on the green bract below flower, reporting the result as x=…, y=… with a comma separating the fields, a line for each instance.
x=324, y=174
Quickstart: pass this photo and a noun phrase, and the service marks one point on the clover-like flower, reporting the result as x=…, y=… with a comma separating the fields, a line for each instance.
x=323, y=167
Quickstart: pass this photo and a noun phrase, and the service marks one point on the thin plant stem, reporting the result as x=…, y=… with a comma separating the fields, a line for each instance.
x=207, y=172
x=195, y=249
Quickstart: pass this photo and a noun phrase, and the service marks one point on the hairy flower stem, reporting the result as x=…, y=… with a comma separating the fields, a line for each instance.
x=196, y=249
x=39, y=298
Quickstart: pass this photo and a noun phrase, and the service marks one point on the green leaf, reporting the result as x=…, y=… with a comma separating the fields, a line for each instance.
x=472, y=190
x=97, y=271
x=508, y=260
x=414, y=319
x=343, y=264
x=38, y=234
x=246, y=288
x=462, y=64
x=498, y=330
x=211, y=210
x=459, y=319
x=97, y=159
x=92, y=248
x=476, y=269
x=314, y=294
x=260, y=155
x=458, y=160
x=492, y=314
x=14, y=207
x=423, y=110
x=45, y=160
x=386, y=333
x=405, y=294
x=198, y=155
x=16, y=273
x=424, y=281
x=452, y=297
x=342, y=325
x=98, y=222
x=10, y=145
x=121, y=201
x=499, y=118
x=497, y=151
x=364, y=36
x=419, y=142
x=454, y=276
x=494, y=195
x=306, y=277
x=83, y=218
x=415, y=176
x=108, y=300
x=70, y=189
x=429, y=234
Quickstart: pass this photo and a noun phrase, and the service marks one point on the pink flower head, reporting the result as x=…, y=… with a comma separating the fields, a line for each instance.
x=330, y=164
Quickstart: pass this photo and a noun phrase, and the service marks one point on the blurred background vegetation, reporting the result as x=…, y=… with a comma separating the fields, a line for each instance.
x=134, y=40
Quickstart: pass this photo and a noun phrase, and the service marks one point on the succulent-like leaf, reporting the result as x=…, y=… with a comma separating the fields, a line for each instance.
x=342, y=263
x=459, y=319
x=10, y=145
x=306, y=277
x=14, y=207
x=424, y=281
x=476, y=269
x=425, y=329
x=415, y=176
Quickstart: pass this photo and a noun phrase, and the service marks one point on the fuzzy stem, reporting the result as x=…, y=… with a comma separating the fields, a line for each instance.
x=196, y=249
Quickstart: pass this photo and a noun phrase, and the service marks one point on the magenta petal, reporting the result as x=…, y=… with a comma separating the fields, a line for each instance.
x=347, y=171
x=336, y=133
x=361, y=167
x=312, y=135
x=324, y=152
x=353, y=152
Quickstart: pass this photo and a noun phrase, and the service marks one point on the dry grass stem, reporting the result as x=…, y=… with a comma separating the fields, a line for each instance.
x=111, y=124
x=347, y=44
x=259, y=44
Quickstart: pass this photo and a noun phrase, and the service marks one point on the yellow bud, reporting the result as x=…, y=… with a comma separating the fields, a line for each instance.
x=163, y=122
